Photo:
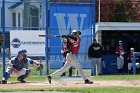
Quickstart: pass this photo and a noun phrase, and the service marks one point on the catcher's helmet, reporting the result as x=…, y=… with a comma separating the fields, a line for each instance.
x=76, y=31
x=22, y=52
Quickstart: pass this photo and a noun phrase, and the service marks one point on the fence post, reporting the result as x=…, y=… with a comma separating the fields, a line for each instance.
x=3, y=33
x=93, y=23
x=46, y=39
x=40, y=63
x=134, y=63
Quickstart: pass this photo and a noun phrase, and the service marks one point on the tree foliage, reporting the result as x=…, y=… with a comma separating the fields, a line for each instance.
x=132, y=8
x=114, y=10
x=119, y=10
x=120, y=13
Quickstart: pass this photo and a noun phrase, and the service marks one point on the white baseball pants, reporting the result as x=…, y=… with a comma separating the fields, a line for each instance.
x=130, y=65
x=71, y=60
x=120, y=62
x=18, y=73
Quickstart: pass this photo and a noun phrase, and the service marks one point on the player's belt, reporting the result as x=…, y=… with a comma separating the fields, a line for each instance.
x=72, y=53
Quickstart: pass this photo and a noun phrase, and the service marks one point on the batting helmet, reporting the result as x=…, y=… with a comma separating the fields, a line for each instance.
x=76, y=31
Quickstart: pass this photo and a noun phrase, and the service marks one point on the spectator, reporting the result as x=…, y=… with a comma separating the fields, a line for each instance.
x=120, y=51
x=1, y=40
x=130, y=63
x=95, y=52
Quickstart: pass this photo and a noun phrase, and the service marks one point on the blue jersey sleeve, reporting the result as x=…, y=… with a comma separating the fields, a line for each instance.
x=30, y=61
x=11, y=63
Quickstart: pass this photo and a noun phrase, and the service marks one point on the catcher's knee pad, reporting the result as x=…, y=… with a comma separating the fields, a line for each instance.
x=23, y=77
x=28, y=71
x=6, y=75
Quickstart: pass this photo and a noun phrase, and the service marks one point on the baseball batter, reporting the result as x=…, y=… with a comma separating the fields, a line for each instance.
x=64, y=51
x=120, y=51
x=73, y=45
x=19, y=66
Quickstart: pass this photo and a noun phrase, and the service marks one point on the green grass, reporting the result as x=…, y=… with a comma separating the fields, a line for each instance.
x=104, y=77
x=117, y=77
x=83, y=90
x=35, y=76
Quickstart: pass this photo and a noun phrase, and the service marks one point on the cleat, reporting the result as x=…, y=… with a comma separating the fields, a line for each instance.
x=49, y=79
x=3, y=82
x=23, y=81
x=88, y=82
x=18, y=79
x=99, y=74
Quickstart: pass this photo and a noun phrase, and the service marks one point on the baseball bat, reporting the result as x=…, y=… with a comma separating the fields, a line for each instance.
x=50, y=35
x=61, y=36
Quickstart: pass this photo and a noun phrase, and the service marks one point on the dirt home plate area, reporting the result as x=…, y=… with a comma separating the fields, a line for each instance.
x=71, y=82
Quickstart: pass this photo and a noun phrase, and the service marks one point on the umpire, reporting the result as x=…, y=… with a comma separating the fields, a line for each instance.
x=95, y=53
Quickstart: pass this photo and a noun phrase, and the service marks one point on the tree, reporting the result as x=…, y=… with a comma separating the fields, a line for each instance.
x=107, y=8
x=132, y=8
x=120, y=13
x=26, y=14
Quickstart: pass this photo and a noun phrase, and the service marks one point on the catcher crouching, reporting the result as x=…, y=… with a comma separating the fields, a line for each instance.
x=19, y=65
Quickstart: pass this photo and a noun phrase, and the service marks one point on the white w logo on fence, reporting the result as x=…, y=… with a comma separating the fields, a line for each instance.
x=67, y=22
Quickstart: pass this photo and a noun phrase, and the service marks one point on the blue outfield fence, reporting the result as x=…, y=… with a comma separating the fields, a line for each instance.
x=64, y=17
x=55, y=18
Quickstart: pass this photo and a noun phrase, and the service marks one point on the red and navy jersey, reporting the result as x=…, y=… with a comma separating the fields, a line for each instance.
x=74, y=45
x=71, y=44
x=120, y=51
x=130, y=57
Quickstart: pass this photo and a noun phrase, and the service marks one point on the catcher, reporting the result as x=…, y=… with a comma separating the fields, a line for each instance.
x=19, y=66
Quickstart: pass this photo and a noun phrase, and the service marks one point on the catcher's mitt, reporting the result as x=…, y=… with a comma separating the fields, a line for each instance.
x=39, y=66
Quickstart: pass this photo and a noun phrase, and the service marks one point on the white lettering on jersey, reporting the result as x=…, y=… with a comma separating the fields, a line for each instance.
x=75, y=44
x=96, y=48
